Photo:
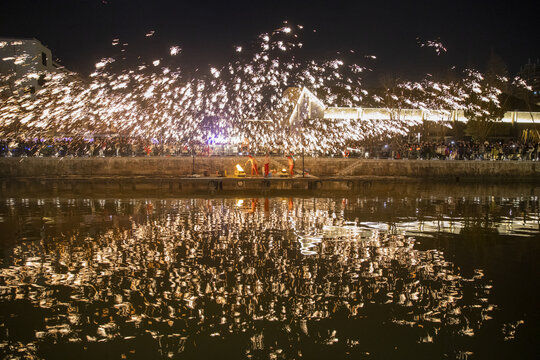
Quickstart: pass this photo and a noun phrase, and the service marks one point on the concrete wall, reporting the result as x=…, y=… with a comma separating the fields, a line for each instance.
x=167, y=167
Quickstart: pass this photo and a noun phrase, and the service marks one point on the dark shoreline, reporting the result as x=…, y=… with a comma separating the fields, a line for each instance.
x=112, y=187
x=179, y=167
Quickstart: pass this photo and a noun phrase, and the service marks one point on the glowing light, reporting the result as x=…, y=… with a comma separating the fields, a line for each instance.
x=215, y=72
x=239, y=171
x=103, y=63
x=175, y=50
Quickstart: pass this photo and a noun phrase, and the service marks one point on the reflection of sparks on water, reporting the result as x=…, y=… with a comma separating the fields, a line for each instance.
x=228, y=269
x=307, y=243
x=347, y=229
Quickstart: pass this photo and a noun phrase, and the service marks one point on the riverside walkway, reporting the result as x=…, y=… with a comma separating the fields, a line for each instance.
x=172, y=176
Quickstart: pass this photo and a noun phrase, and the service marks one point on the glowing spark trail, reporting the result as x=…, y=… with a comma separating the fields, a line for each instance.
x=437, y=45
x=175, y=50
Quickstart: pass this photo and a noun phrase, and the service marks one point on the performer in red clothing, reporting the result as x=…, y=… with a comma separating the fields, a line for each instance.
x=147, y=150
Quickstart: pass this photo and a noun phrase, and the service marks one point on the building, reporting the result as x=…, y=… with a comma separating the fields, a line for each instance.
x=530, y=72
x=513, y=124
x=21, y=57
x=307, y=106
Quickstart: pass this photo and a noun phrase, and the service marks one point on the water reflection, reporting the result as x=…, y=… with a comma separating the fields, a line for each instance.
x=256, y=278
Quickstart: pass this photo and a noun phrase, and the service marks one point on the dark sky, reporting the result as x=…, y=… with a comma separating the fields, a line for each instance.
x=79, y=32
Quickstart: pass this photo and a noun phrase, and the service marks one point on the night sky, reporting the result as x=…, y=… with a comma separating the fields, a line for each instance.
x=79, y=32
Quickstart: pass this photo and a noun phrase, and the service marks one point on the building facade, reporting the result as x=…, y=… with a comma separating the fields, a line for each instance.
x=19, y=59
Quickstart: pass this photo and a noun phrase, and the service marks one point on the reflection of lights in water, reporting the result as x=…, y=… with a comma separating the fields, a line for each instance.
x=231, y=269
x=346, y=230
x=308, y=243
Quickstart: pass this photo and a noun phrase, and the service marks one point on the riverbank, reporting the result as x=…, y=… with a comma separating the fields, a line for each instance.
x=175, y=176
x=180, y=167
x=119, y=187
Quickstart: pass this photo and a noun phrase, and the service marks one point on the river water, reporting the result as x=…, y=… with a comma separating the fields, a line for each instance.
x=425, y=275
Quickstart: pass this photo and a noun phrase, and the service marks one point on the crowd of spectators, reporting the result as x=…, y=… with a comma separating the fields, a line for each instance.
x=458, y=150
x=89, y=147
x=123, y=146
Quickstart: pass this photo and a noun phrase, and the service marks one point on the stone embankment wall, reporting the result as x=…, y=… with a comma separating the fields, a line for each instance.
x=208, y=166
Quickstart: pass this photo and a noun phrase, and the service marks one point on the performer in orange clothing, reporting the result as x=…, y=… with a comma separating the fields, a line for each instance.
x=254, y=170
x=291, y=164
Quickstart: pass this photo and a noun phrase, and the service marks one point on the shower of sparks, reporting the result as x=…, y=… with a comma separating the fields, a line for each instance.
x=175, y=50
x=437, y=45
x=264, y=81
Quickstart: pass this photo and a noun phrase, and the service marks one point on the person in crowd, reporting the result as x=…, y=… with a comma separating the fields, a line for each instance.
x=126, y=146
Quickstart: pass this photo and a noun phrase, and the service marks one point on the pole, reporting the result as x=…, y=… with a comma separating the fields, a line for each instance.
x=303, y=169
x=193, y=166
